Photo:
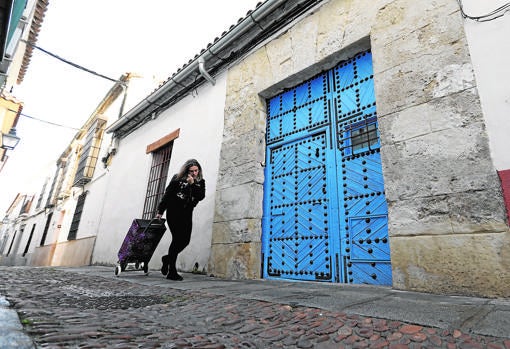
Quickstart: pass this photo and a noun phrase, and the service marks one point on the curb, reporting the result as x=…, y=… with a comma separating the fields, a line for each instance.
x=11, y=329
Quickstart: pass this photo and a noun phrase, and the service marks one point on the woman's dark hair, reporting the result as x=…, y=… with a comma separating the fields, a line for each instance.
x=183, y=173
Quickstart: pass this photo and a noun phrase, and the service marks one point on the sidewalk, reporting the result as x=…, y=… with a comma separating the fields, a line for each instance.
x=489, y=317
x=451, y=316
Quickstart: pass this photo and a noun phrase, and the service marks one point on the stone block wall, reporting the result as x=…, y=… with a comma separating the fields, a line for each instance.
x=447, y=224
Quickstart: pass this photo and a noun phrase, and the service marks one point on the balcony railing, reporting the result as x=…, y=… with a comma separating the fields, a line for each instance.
x=89, y=154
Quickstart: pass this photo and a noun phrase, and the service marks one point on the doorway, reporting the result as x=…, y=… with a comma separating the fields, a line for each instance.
x=325, y=211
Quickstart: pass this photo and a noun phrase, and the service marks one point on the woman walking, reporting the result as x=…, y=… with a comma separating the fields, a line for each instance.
x=181, y=196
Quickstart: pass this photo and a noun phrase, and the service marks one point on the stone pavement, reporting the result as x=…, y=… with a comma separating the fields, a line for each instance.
x=89, y=307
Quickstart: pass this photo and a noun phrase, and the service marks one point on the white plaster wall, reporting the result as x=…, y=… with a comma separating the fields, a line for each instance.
x=15, y=251
x=6, y=238
x=50, y=237
x=489, y=47
x=14, y=227
x=51, y=234
x=39, y=219
x=93, y=210
x=61, y=222
x=22, y=238
x=97, y=188
x=200, y=120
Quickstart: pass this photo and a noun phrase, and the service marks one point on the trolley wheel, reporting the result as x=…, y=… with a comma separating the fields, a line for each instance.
x=146, y=268
x=117, y=270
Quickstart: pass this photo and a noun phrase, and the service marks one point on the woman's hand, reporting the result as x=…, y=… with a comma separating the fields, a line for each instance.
x=158, y=216
x=190, y=179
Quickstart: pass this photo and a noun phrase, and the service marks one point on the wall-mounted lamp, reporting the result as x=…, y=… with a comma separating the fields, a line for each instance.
x=9, y=140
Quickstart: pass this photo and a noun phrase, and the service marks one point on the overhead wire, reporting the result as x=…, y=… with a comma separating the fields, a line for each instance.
x=71, y=63
x=497, y=13
x=49, y=122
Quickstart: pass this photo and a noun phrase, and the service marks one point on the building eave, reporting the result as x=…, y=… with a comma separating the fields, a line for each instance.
x=258, y=25
x=35, y=28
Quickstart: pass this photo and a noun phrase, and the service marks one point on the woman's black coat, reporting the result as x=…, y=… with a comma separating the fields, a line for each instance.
x=181, y=197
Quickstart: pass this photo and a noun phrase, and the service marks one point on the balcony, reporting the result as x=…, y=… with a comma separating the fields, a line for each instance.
x=89, y=154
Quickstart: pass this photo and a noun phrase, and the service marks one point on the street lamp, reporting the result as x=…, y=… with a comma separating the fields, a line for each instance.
x=9, y=141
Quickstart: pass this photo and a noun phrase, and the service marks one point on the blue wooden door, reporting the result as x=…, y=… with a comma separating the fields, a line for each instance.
x=325, y=213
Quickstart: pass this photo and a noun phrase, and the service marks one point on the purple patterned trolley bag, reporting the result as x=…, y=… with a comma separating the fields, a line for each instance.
x=139, y=244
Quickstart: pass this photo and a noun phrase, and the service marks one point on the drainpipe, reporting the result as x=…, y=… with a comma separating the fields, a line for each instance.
x=247, y=23
x=205, y=74
x=124, y=97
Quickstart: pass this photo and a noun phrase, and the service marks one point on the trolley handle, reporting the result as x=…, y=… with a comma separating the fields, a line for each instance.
x=159, y=221
x=152, y=224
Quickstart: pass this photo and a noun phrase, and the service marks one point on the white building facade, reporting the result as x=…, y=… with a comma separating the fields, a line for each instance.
x=193, y=129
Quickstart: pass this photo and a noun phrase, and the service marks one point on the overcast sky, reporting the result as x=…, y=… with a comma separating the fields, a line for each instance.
x=110, y=37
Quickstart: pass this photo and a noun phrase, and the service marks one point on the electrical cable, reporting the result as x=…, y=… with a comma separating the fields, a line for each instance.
x=499, y=12
x=49, y=122
x=71, y=63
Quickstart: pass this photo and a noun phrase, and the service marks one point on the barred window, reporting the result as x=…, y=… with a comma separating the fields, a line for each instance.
x=59, y=192
x=12, y=243
x=363, y=138
x=360, y=137
x=41, y=195
x=46, y=228
x=157, y=180
x=27, y=203
x=50, y=201
x=89, y=153
x=27, y=247
x=73, y=230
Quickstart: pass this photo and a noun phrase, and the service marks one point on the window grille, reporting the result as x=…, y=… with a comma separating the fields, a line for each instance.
x=49, y=201
x=89, y=153
x=64, y=164
x=157, y=180
x=360, y=137
x=363, y=138
x=12, y=243
x=27, y=203
x=73, y=230
x=46, y=227
x=29, y=240
x=41, y=195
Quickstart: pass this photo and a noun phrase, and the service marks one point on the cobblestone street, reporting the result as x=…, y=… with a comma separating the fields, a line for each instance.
x=61, y=309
